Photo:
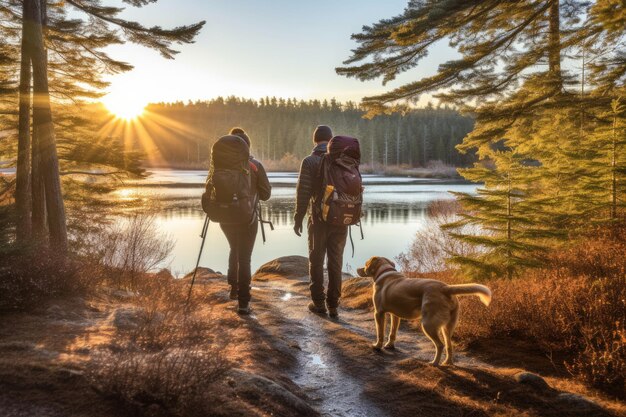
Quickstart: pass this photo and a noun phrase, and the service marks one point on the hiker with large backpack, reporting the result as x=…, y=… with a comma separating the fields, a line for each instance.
x=330, y=189
x=235, y=184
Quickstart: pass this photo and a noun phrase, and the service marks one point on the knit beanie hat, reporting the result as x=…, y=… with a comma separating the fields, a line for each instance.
x=237, y=131
x=322, y=134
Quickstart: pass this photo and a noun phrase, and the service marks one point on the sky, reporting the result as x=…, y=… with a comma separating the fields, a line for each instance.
x=249, y=48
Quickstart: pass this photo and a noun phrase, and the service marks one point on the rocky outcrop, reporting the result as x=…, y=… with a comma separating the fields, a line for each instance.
x=204, y=275
x=292, y=267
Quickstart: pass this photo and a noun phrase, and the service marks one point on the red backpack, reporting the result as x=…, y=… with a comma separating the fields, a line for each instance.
x=341, y=194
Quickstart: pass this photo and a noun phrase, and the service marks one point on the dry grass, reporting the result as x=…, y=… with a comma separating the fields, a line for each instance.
x=164, y=357
x=433, y=169
x=574, y=309
x=288, y=163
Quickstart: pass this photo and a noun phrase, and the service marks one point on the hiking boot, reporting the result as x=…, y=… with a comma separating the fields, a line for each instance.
x=244, y=309
x=333, y=313
x=314, y=308
x=234, y=293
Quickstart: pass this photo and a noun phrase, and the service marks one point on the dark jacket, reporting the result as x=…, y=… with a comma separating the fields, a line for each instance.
x=260, y=183
x=309, y=182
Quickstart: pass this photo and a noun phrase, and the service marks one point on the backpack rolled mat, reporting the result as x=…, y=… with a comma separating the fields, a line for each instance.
x=228, y=196
x=341, y=195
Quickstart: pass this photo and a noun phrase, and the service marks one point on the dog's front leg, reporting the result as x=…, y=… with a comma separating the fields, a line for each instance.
x=395, y=323
x=380, y=330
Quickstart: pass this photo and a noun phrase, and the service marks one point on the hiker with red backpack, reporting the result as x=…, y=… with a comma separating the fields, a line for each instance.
x=235, y=184
x=330, y=189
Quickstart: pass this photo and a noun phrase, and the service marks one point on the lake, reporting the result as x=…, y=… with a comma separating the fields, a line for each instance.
x=394, y=208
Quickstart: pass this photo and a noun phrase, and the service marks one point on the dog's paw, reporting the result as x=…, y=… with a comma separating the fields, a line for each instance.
x=434, y=364
x=447, y=363
x=377, y=347
x=390, y=346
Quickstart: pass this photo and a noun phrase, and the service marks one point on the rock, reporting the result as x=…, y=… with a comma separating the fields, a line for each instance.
x=123, y=294
x=578, y=401
x=165, y=274
x=286, y=266
x=69, y=374
x=203, y=274
x=532, y=380
x=126, y=318
x=55, y=311
x=256, y=387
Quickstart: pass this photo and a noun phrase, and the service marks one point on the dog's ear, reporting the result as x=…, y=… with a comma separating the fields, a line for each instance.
x=370, y=267
x=392, y=263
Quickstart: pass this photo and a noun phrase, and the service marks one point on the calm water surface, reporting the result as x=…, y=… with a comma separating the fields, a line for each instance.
x=394, y=211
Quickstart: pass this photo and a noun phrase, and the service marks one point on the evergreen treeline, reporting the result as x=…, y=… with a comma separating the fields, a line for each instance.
x=184, y=132
x=546, y=81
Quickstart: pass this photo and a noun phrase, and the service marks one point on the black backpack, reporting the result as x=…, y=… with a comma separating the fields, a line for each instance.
x=341, y=194
x=228, y=197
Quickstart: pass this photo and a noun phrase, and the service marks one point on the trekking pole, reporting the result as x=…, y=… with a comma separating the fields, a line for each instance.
x=203, y=236
x=263, y=222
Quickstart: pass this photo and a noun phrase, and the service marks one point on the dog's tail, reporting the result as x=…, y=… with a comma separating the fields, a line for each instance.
x=483, y=292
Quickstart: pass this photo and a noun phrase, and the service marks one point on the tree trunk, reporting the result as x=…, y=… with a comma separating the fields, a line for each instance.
x=42, y=121
x=398, y=140
x=614, y=172
x=38, y=196
x=22, y=177
x=509, y=233
x=554, y=42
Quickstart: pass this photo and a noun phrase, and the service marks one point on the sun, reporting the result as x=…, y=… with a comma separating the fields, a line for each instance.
x=123, y=106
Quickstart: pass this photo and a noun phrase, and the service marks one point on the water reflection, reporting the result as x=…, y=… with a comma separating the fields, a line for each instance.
x=394, y=209
x=280, y=212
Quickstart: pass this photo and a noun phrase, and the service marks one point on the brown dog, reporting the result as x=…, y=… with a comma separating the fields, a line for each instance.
x=411, y=298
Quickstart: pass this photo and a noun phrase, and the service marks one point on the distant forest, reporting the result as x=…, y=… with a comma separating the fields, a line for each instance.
x=185, y=132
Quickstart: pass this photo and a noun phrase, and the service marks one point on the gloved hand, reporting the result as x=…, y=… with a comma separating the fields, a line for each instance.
x=297, y=227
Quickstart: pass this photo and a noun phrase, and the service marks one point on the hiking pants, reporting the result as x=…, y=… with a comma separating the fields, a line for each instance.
x=241, y=239
x=326, y=240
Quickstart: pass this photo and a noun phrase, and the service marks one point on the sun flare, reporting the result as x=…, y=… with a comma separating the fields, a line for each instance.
x=124, y=107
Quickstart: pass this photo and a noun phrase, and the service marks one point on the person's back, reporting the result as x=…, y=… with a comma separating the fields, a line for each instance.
x=241, y=237
x=323, y=239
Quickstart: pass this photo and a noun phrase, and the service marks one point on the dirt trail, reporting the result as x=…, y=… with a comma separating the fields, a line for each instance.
x=343, y=376
x=321, y=371
x=334, y=381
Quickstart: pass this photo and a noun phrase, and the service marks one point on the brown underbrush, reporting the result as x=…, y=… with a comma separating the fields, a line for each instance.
x=573, y=310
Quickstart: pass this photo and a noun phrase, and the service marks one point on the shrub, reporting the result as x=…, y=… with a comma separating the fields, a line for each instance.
x=574, y=317
x=177, y=381
x=432, y=245
x=165, y=356
x=130, y=249
x=28, y=277
x=574, y=308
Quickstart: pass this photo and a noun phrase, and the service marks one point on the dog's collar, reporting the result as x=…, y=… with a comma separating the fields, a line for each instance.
x=385, y=272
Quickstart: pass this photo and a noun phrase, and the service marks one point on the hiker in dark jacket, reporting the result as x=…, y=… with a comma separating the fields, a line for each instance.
x=325, y=240
x=241, y=237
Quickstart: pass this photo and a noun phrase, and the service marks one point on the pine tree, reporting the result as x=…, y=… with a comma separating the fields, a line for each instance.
x=497, y=219
x=66, y=53
x=605, y=182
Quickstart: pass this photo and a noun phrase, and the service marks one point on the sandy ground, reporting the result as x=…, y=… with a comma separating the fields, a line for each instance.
x=327, y=364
